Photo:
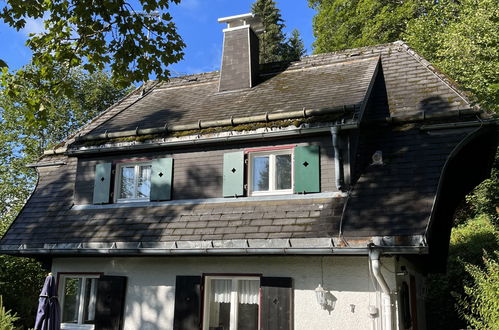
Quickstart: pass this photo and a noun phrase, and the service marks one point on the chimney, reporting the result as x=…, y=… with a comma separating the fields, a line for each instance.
x=240, y=52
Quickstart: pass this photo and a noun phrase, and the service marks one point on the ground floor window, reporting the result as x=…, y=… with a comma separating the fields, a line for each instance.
x=78, y=300
x=231, y=303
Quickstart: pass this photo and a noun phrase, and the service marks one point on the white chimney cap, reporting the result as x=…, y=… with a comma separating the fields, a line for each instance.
x=242, y=20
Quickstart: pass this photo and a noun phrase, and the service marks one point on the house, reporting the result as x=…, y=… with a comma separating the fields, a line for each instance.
x=307, y=195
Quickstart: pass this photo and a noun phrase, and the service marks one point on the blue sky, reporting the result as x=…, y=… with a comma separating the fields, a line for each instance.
x=196, y=22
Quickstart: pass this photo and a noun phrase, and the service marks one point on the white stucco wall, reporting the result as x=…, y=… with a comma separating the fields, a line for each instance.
x=151, y=285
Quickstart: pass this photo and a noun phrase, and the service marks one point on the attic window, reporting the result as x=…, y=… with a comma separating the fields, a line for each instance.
x=133, y=182
x=271, y=172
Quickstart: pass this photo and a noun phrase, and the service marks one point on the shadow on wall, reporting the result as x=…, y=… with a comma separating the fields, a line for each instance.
x=151, y=304
x=397, y=196
x=198, y=181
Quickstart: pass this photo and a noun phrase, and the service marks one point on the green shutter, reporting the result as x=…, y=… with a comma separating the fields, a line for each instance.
x=102, y=183
x=233, y=173
x=161, y=179
x=307, y=169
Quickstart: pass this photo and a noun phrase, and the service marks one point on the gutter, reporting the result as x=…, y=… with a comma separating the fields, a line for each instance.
x=338, y=160
x=403, y=119
x=208, y=140
x=59, y=251
x=266, y=117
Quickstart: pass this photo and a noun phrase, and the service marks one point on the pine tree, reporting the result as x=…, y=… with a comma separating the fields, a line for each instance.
x=296, y=48
x=273, y=44
x=272, y=39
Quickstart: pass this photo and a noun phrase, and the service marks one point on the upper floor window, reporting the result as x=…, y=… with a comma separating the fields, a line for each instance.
x=271, y=172
x=133, y=182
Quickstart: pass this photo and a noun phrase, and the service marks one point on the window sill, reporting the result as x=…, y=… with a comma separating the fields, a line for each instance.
x=271, y=193
x=124, y=201
x=72, y=326
x=211, y=201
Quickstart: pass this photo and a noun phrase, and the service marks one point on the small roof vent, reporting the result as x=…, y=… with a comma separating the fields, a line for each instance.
x=377, y=158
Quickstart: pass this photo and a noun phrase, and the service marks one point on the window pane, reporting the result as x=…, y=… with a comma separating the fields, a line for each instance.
x=248, y=304
x=90, y=296
x=72, y=289
x=127, y=184
x=283, y=172
x=220, y=304
x=260, y=174
x=144, y=181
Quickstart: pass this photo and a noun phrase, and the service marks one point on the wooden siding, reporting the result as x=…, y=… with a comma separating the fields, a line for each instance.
x=198, y=174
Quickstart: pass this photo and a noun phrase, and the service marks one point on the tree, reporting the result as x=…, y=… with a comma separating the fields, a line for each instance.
x=296, y=48
x=461, y=38
x=272, y=41
x=22, y=141
x=342, y=24
x=134, y=42
x=480, y=303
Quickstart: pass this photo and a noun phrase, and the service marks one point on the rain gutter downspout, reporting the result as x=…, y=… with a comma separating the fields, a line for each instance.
x=386, y=301
x=338, y=161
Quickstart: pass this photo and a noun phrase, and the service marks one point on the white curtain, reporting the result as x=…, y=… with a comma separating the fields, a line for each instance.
x=248, y=291
x=220, y=290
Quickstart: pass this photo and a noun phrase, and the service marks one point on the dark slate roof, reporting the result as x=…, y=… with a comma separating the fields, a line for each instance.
x=314, y=82
x=189, y=99
x=397, y=198
x=49, y=218
x=391, y=199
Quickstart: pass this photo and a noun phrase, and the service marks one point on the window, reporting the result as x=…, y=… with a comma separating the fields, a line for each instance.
x=133, y=182
x=78, y=300
x=231, y=303
x=271, y=172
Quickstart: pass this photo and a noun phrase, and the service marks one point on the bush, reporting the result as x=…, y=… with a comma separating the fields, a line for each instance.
x=21, y=280
x=480, y=303
x=6, y=318
x=467, y=245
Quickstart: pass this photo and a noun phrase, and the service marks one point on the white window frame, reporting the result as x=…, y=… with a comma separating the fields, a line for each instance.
x=272, y=172
x=117, y=183
x=79, y=325
x=234, y=299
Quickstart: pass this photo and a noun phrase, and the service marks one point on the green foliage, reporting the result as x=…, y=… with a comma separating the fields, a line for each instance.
x=296, y=48
x=342, y=24
x=134, y=42
x=485, y=197
x=21, y=280
x=480, y=304
x=22, y=141
x=272, y=41
x=468, y=241
x=461, y=38
x=6, y=318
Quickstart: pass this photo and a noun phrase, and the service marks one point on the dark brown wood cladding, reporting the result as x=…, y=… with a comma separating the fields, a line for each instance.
x=198, y=173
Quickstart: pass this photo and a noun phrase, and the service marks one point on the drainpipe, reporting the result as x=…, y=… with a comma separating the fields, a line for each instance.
x=386, y=300
x=338, y=161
